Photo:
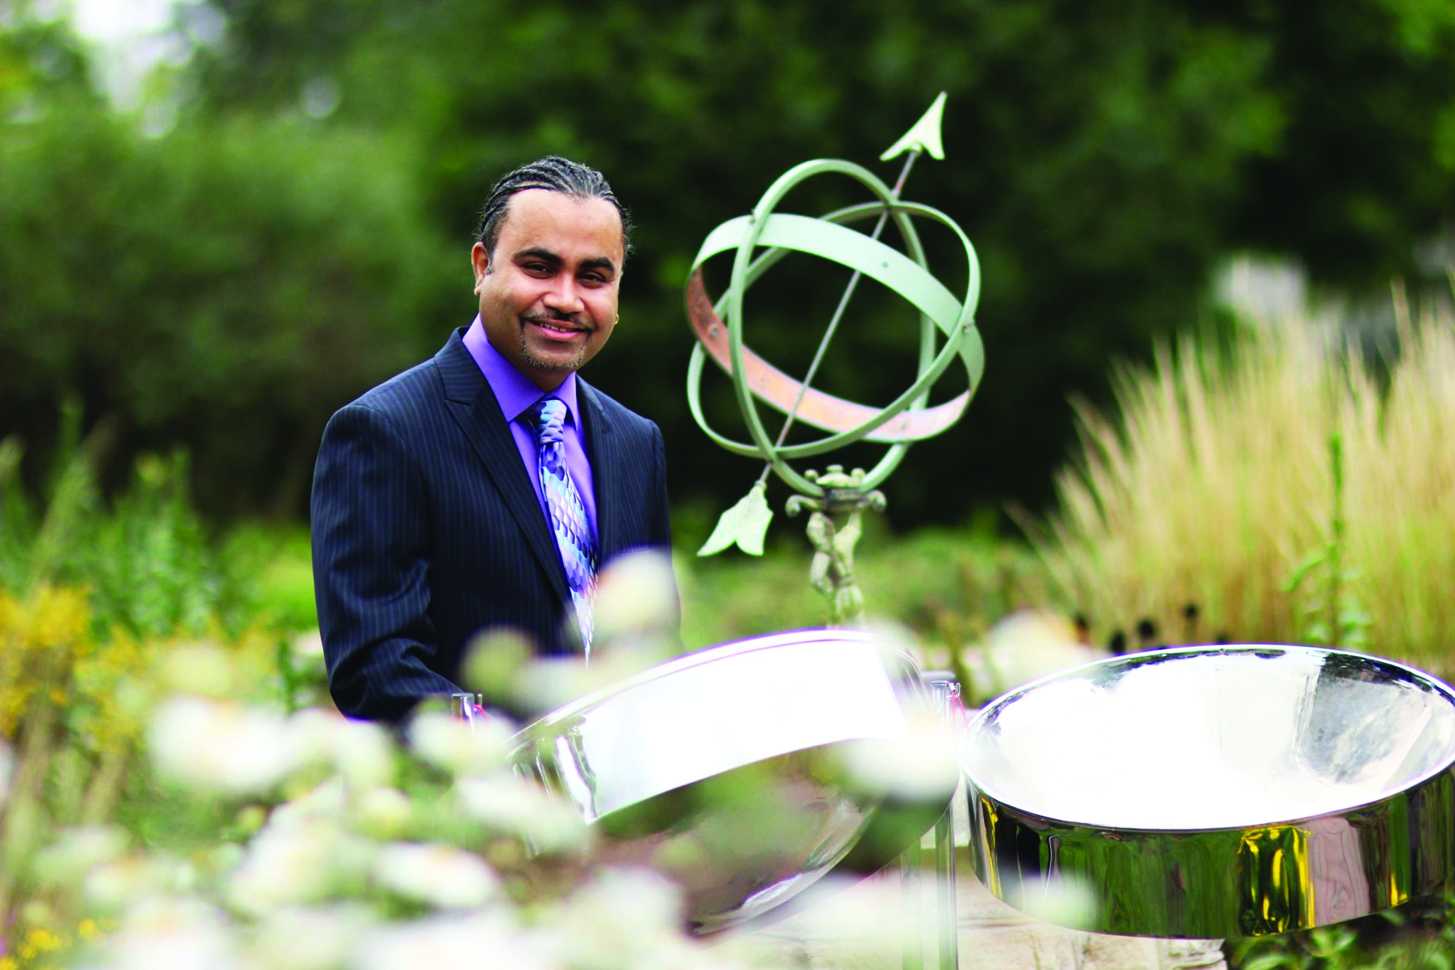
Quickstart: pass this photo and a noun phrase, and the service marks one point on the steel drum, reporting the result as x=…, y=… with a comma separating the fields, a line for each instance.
x=723, y=768
x=1217, y=791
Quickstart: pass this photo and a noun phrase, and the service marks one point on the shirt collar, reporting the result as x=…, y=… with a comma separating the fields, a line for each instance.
x=516, y=393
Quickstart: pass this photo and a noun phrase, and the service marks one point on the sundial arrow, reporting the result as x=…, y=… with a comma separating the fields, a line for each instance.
x=924, y=136
x=746, y=523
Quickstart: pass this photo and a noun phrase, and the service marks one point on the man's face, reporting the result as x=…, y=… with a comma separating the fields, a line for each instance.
x=548, y=292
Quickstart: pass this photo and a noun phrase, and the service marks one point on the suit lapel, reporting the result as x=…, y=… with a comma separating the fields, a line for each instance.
x=604, y=444
x=475, y=410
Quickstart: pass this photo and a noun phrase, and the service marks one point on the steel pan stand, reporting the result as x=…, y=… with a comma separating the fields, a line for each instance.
x=943, y=921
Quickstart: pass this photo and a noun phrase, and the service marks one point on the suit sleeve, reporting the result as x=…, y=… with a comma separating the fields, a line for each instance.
x=371, y=549
x=661, y=532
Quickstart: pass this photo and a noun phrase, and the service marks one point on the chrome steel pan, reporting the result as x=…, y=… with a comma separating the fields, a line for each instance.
x=1218, y=791
x=719, y=767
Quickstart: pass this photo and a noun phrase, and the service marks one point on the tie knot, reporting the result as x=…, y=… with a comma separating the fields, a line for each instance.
x=550, y=419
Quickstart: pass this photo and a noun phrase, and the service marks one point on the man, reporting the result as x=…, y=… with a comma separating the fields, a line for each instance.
x=485, y=487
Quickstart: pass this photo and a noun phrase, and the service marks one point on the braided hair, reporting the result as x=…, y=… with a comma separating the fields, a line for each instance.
x=555, y=174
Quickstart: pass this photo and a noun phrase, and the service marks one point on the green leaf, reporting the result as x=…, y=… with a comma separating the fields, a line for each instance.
x=745, y=524
x=1438, y=960
x=1300, y=571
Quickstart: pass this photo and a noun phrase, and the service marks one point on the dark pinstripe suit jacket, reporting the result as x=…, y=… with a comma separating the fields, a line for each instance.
x=426, y=529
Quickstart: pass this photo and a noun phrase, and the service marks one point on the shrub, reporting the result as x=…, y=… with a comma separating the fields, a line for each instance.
x=98, y=601
x=945, y=585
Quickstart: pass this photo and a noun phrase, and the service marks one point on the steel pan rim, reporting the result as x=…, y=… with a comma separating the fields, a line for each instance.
x=1036, y=818
x=905, y=672
x=976, y=726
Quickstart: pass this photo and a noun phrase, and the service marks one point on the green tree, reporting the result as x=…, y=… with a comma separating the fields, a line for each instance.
x=222, y=287
x=1102, y=159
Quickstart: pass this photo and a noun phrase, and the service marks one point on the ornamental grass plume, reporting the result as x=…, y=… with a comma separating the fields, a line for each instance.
x=1229, y=473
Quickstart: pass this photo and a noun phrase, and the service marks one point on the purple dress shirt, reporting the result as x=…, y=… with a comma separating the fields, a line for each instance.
x=517, y=395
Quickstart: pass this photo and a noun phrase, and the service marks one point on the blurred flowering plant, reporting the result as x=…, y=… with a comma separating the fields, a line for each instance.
x=173, y=795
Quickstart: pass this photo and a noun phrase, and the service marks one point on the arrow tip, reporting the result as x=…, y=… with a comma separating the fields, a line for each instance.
x=924, y=136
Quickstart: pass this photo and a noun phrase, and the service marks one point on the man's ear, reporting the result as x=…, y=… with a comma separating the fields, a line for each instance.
x=480, y=263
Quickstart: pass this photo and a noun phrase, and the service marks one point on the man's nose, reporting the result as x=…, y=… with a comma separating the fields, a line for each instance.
x=564, y=296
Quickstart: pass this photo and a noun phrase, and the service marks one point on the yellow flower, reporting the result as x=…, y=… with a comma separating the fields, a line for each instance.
x=60, y=616
x=43, y=940
x=87, y=929
x=9, y=963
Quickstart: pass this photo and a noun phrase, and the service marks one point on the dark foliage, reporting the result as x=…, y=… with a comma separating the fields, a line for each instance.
x=1103, y=160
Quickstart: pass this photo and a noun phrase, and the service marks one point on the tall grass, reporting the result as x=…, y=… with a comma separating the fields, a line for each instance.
x=1233, y=472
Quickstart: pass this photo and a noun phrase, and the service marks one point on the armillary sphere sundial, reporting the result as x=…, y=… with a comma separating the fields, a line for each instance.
x=836, y=498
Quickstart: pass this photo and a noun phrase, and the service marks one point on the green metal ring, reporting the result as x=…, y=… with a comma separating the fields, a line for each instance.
x=825, y=238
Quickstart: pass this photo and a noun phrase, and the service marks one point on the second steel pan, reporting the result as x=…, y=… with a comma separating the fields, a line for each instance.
x=722, y=767
x=1218, y=791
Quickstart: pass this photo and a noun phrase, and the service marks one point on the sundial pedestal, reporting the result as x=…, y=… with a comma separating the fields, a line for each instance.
x=835, y=523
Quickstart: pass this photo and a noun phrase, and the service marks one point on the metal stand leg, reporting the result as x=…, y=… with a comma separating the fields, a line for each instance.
x=946, y=921
x=912, y=878
x=935, y=920
x=940, y=913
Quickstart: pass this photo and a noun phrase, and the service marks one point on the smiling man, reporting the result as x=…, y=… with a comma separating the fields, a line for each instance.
x=487, y=486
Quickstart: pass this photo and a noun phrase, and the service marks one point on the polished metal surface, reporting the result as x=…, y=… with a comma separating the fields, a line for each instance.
x=1217, y=791
x=723, y=768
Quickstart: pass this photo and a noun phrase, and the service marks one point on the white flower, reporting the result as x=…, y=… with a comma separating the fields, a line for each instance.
x=110, y=886
x=359, y=752
x=637, y=900
x=450, y=941
x=636, y=598
x=1023, y=646
x=622, y=918
x=494, y=660
x=548, y=683
x=364, y=754
x=513, y=805
x=383, y=812
x=311, y=938
x=220, y=747
x=460, y=747
x=870, y=922
x=437, y=875
x=311, y=733
x=297, y=860
x=163, y=933
x=1064, y=901
x=328, y=802
x=918, y=764
x=78, y=852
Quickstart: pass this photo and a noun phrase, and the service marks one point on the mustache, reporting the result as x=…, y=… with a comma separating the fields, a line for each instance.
x=556, y=321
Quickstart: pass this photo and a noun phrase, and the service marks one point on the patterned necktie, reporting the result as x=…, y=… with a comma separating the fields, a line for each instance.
x=566, y=513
